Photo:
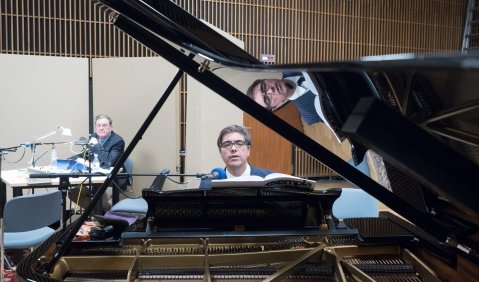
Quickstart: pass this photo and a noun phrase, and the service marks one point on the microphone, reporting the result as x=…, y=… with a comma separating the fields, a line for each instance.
x=218, y=173
x=207, y=179
x=82, y=141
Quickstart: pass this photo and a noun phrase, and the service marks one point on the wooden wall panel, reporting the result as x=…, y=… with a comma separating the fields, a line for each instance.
x=295, y=31
x=73, y=28
x=268, y=147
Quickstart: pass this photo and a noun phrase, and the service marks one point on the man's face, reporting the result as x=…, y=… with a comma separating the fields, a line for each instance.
x=102, y=128
x=272, y=93
x=237, y=153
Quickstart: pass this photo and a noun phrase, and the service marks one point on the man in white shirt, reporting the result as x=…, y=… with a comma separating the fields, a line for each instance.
x=234, y=143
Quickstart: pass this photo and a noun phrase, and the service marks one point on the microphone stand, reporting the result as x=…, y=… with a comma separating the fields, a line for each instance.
x=60, y=129
x=90, y=160
x=33, y=147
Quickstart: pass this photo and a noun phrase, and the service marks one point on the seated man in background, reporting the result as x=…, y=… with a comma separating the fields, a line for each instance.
x=108, y=146
x=234, y=143
x=105, y=143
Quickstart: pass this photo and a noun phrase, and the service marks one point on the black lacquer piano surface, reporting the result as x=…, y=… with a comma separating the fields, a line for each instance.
x=420, y=113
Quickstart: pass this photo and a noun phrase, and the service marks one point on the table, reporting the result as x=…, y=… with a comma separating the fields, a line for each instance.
x=18, y=179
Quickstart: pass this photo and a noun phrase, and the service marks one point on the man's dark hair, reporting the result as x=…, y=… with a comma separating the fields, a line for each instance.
x=235, y=128
x=249, y=91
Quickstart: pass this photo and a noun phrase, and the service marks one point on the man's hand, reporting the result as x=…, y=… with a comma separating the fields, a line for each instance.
x=93, y=141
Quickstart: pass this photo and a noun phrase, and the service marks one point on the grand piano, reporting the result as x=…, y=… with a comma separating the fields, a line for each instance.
x=418, y=112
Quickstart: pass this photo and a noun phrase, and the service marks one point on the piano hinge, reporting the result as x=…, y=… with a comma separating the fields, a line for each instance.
x=205, y=65
x=113, y=16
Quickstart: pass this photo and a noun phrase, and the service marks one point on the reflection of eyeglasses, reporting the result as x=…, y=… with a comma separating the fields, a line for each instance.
x=263, y=86
x=229, y=144
x=102, y=125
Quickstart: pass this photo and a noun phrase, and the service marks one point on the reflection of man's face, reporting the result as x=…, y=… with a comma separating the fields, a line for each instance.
x=272, y=93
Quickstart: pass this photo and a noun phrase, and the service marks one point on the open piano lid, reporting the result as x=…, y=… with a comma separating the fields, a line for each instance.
x=426, y=89
x=426, y=127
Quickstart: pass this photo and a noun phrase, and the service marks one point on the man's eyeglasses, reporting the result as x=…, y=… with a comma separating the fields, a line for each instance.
x=229, y=144
x=263, y=86
x=102, y=125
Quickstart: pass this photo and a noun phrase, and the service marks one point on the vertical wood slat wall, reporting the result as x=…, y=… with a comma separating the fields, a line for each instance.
x=299, y=31
x=295, y=31
x=71, y=28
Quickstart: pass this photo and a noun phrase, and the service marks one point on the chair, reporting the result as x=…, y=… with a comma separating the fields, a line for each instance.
x=139, y=207
x=122, y=182
x=26, y=220
x=134, y=206
x=354, y=202
x=128, y=166
x=130, y=210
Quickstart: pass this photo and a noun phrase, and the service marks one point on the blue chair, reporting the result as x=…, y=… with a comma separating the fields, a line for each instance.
x=137, y=207
x=121, y=183
x=131, y=210
x=26, y=220
x=128, y=166
x=354, y=202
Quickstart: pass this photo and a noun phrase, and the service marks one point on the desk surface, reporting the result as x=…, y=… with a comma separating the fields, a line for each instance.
x=17, y=178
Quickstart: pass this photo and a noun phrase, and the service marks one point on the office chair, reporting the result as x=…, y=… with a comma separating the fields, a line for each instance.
x=131, y=210
x=26, y=220
x=355, y=202
x=128, y=166
x=139, y=207
x=120, y=183
x=133, y=206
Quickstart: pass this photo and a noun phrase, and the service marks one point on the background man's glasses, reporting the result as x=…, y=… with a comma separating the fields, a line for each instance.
x=229, y=144
x=102, y=125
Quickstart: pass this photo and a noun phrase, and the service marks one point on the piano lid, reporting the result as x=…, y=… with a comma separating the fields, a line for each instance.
x=418, y=112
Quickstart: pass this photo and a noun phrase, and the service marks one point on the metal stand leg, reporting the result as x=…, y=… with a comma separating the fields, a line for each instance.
x=63, y=187
x=4, y=259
